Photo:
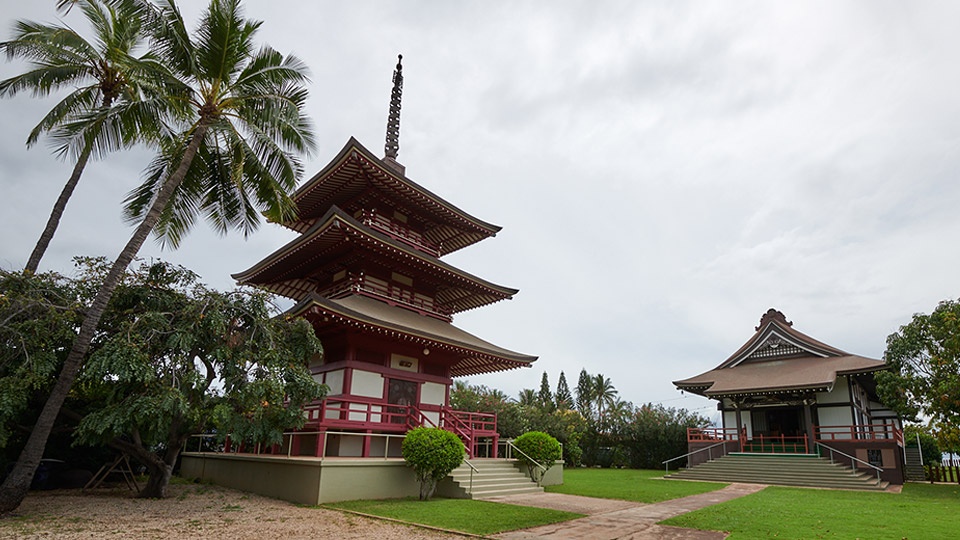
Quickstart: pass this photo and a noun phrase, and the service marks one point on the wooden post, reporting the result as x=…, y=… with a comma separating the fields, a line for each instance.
x=321, y=436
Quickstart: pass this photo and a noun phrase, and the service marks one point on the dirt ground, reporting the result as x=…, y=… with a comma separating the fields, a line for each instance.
x=190, y=511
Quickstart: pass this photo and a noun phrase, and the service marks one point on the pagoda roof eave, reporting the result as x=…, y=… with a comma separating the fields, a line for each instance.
x=424, y=198
x=477, y=356
x=260, y=273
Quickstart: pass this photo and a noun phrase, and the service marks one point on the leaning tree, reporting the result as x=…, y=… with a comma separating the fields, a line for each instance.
x=243, y=109
x=98, y=73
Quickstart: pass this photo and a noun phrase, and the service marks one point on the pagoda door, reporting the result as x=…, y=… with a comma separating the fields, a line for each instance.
x=403, y=394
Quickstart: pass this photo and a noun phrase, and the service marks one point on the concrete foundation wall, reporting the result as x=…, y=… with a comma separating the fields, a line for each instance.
x=891, y=456
x=304, y=480
x=553, y=477
x=294, y=480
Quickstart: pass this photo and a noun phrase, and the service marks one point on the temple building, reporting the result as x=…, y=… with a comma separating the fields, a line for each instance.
x=366, y=271
x=785, y=392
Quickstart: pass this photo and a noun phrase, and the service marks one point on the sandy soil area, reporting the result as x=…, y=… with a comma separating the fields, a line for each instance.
x=191, y=511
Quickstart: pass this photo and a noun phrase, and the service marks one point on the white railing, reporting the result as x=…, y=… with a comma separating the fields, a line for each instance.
x=286, y=447
x=708, y=450
x=853, y=460
x=543, y=470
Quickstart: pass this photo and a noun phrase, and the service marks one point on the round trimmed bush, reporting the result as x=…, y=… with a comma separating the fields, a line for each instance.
x=433, y=453
x=539, y=447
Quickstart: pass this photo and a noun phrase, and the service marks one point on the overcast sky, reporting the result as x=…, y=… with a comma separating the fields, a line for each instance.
x=664, y=172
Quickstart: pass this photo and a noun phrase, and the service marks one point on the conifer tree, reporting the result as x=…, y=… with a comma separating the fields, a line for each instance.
x=563, y=397
x=545, y=396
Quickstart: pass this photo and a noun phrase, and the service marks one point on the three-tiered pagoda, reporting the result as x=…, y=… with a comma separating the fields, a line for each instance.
x=366, y=271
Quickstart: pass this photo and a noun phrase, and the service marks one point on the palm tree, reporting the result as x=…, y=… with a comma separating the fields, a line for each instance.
x=527, y=397
x=246, y=108
x=603, y=393
x=101, y=73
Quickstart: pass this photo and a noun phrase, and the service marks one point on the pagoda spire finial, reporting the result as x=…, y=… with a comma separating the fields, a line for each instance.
x=393, y=121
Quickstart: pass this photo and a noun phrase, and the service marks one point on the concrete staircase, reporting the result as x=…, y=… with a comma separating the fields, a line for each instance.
x=914, y=470
x=804, y=470
x=494, y=477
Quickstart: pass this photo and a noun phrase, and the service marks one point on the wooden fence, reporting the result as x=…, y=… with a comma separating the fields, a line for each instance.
x=943, y=473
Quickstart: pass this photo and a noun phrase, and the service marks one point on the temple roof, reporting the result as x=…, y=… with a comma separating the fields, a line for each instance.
x=291, y=270
x=476, y=356
x=355, y=170
x=778, y=359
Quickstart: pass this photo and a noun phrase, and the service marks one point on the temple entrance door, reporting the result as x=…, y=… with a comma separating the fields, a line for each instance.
x=774, y=422
x=402, y=393
x=786, y=421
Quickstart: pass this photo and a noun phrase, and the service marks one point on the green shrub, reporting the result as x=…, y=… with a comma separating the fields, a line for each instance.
x=433, y=453
x=540, y=448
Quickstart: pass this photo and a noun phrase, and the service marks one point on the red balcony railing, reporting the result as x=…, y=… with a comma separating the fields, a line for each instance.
x=868, y=432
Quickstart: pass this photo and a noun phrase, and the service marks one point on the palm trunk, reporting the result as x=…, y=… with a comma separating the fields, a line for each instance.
x=15, y=487
x=54, y=220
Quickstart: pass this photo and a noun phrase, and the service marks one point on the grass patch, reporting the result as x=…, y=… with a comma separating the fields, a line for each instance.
x=476, y=517
x=641, y=485
x=921, y=511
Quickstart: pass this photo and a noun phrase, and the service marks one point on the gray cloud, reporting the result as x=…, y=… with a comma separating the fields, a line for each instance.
x=664, y=172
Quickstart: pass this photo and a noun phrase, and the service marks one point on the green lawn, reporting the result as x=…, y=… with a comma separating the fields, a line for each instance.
x=647, y=486
x=921, y=512
x=476, y=517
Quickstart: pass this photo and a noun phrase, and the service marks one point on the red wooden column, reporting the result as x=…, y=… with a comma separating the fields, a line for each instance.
x=366, y=444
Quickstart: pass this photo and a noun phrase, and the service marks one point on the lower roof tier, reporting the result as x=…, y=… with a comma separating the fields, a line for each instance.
x=475, y=356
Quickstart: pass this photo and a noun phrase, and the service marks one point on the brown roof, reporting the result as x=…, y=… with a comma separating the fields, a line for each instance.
x=355, y=169
x=476, y=355
x=801, y=373
x=778, y=358
x=288, y=271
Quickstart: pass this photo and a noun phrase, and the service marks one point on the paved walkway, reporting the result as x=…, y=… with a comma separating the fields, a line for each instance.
x=609, y=519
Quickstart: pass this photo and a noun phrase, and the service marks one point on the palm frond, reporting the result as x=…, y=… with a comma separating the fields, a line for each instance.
x=74, y=104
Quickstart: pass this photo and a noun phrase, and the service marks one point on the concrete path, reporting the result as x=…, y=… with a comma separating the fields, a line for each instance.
x=609, y=519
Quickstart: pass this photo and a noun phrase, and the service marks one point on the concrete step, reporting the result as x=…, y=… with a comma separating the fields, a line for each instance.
x=491, y=479
x=801, y=470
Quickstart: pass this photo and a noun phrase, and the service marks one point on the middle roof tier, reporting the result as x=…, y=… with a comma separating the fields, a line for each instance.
x=339, y=255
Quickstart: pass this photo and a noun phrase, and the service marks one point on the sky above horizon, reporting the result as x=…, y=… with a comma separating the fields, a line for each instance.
x=664, y=172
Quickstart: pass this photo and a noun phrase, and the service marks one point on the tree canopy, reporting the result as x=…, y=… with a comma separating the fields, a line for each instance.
x=923, y=381
x=433, y=453
x=172, y=359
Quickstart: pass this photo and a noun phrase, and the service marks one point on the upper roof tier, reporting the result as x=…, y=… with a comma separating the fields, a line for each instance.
x=778, y=359
x=307, y=263
x=355, y=179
